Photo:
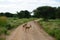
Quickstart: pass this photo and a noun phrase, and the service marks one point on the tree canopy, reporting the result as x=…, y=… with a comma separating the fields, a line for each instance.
x=45, y=12
x=24, y=14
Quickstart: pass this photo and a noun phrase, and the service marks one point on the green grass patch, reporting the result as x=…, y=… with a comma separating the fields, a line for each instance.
x=52, y=27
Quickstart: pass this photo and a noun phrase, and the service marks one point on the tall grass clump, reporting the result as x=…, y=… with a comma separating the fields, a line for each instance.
x=3, y=22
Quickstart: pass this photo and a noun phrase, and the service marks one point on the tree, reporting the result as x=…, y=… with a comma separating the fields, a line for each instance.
x=1, y=14
x=36, y=14
x=27, y=14
x=24, y=14
x=58, y=12
x=20, y=14
x=45, y=12
x=8, y=14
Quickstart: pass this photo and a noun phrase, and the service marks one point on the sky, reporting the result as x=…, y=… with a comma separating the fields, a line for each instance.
x=18, y=5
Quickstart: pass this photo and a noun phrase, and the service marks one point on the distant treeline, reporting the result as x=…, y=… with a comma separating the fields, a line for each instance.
x=46, y=12
x=21, y=14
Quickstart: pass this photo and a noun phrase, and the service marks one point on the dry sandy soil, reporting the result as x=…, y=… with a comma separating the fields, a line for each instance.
x=35, y=32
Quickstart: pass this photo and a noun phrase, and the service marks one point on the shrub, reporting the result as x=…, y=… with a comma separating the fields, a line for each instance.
x=9, y=26
x=3, y=30
x=57, y=34
x=3, y=21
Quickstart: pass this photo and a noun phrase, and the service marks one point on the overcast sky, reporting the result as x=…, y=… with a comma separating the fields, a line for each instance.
x=17, y=5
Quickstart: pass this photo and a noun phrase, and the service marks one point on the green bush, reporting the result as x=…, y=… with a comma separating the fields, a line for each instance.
x=3, y=30
x=57, y=34
x=3, y=21
x=9, y=27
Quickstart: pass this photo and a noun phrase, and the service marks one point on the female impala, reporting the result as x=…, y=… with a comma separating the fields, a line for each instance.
x=26, y=27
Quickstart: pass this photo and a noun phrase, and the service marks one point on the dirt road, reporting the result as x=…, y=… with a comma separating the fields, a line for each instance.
x=34, y=33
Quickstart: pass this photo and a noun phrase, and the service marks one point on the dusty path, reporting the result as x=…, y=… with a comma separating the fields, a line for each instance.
x=34, y=33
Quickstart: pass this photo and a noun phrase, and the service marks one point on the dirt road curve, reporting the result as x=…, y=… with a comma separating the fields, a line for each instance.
x=34, y=33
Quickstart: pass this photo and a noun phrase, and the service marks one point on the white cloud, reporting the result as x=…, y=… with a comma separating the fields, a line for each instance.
x=17, y=5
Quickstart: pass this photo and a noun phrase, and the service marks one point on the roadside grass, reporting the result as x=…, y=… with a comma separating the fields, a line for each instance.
x=52, y=27
x=15, y=22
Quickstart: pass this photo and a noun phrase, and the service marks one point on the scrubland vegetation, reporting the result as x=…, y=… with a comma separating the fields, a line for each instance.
x=52, y=27
x=7, y=24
